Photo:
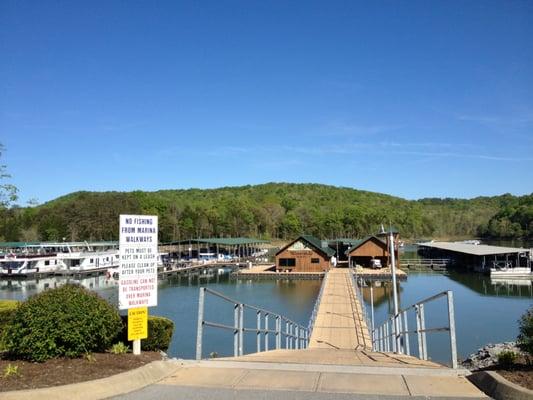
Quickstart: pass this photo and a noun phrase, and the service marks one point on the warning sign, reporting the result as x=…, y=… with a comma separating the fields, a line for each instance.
x=137, y=323
x=138, y=261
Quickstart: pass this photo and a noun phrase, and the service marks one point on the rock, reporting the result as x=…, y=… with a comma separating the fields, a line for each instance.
x=488, y=355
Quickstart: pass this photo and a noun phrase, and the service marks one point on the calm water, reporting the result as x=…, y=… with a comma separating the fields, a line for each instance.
x=486, y=311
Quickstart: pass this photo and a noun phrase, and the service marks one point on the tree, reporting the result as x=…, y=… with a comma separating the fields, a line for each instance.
x=8, y=192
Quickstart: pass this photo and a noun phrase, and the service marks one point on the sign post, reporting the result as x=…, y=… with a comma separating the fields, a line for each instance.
x=137, y=286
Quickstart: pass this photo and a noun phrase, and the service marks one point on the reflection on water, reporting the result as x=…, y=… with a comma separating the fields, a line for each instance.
x=488, y=286
x=486, y=310
x=20, y=289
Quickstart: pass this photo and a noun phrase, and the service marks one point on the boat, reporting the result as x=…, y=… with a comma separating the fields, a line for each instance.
x=25, y=259
x=62, y=258
x=23, y=265
x=505, y=269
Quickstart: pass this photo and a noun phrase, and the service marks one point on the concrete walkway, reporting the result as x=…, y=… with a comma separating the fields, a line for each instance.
x=225, y=378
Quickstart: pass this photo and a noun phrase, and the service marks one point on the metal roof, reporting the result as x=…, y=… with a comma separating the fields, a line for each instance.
x=473, y=249
x=221, y=241
x=359, y=242
x=344, y=241
x=314, y=242
x=15, y=245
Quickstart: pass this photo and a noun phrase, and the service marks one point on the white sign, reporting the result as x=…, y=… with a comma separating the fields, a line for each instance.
x=137, y=284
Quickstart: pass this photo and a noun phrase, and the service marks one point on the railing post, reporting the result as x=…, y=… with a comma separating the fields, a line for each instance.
x=372, y=308
x=399, y=334
x=266, y=332
x=387, y=348
x=292, y=336
x=407, y=346
x=241, y=329
x=287, y=333
x=393, y=334
x=418, y=333
x=423, y=326
x=258, y=332
x=278, y=332
x=200, y=331
x=236, y=331
x=451, y=322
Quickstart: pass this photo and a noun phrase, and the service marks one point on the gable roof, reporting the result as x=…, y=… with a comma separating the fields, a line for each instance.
x=362, y=241
x=314, y=242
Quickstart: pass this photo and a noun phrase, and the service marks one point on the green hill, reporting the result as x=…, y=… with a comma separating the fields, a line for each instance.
x=272, y=210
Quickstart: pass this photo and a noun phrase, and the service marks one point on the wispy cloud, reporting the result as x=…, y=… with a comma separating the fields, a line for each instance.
x=343, y=128
x=515, y=121
x=294, y=153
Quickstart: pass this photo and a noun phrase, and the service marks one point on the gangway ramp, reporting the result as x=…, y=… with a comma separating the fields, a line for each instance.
x=340, y=323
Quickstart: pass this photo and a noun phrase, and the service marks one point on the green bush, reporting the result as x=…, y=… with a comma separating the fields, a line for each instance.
x=119, y=348
x=525, y=336
x=7, y=310
x=67, y=321
x=160, y=331
x=507, y=358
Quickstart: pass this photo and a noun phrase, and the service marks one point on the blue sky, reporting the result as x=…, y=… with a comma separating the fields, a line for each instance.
x=411, y=98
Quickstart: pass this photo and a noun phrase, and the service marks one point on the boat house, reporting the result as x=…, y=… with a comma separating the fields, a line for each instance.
x=304, y=254
x=483, y=258
x=365, y=250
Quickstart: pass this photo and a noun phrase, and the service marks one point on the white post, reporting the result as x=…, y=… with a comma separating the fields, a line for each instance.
x=137, y=347
x=394, y=290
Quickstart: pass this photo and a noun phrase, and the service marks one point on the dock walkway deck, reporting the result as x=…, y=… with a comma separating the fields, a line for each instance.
x=339, y=323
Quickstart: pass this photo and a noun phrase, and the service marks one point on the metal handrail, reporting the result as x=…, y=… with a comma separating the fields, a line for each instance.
x=385, y=339
x=296, y=336
x=359, y=295
x=318, y=300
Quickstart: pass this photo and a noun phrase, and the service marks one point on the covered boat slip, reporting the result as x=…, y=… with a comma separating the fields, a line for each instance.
x=215, y=248
x=480, y=257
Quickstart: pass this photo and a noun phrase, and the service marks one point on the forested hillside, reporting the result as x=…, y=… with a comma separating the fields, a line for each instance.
x=273, y=210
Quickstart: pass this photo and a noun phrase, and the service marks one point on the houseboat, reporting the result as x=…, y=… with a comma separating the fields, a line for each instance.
x=24, y=259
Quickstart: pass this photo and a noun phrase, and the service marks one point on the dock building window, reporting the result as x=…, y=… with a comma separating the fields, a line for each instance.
x=315, y=261
x=287, y=262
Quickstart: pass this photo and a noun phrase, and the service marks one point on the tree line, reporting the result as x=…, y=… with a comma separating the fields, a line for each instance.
x=273, y=210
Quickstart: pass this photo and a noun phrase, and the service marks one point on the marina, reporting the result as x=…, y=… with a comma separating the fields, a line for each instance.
x=294, y=293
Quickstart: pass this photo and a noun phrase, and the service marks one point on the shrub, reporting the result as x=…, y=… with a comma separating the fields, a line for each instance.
x=525, y=336
x=67, y=321
x=507, y=358
x=160, y=331
x=7, y=310
x=119, y=348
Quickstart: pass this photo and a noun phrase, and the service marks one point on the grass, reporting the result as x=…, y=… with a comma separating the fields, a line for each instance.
x=8, y=304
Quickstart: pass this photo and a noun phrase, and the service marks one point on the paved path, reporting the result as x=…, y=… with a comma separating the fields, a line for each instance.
x=339, y=323
x=245, y=379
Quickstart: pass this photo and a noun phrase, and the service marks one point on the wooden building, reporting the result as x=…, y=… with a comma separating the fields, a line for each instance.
x=367, y=249
x=304, y=254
